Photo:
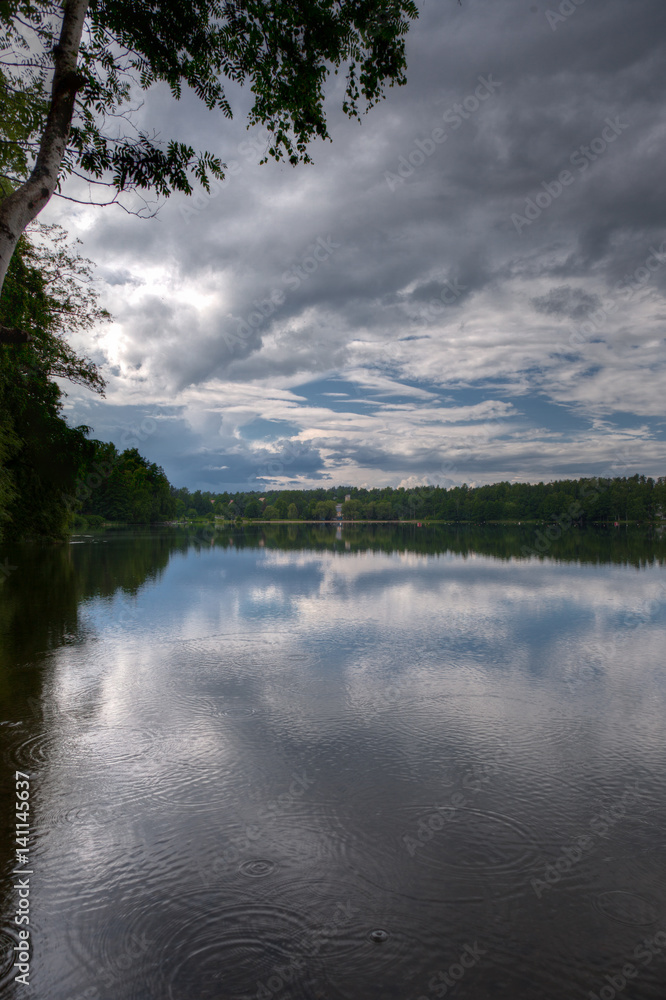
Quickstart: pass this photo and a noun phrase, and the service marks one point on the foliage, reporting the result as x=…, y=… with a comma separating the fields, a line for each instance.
x=9, y=444
x=284, y=51
x=635, y=499
x=48, y=293
x=124, y=487
x=24, y=109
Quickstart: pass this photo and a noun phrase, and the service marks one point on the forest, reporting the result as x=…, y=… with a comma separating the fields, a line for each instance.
x=46, y=292
x=50, y=471
x=638, y=498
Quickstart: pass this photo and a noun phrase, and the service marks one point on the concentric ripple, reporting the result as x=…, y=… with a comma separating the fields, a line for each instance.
x=379, y=936
x=628, y=907
x=529, y=731
x=432, y=853
x=484, y=843
x=257, y=868
x=228, y=953
x=8, y=941
x=342, y=914
x=114, y=746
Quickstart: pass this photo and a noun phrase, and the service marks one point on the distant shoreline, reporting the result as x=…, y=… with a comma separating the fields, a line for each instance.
x=425, y=522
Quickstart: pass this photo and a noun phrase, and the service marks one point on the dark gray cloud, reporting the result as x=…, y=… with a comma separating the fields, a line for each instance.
x=574, y=303
x=499, y=223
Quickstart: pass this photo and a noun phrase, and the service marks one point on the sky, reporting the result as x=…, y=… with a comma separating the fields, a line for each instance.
x=469, y=286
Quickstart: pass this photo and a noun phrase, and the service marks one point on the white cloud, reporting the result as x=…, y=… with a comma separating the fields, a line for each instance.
x=454, y=330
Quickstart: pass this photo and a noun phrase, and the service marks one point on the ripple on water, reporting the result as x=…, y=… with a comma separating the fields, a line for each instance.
x=257, y=868
x=534, y=729
x=485, y=843
x=108, y=864
x=196, y=771
x=112, y=746
x=331, y=842
x=231, y=950
x=628, y=907
x=306, y=838
x=100, y=814
x=8, y=941
x=109, y=942
x=342, y=915
x=201, y=706
x=34, y=752
x=212, y=655
x=431, y=851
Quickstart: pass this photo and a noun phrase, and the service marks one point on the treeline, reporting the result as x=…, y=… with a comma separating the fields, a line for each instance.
x=636, y=498
x=126, y=487
x=122, y=486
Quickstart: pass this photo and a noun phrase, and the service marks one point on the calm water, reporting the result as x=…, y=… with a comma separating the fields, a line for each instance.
x=246, y=754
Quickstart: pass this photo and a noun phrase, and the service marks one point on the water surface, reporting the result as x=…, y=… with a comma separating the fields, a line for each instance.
x=249, y=751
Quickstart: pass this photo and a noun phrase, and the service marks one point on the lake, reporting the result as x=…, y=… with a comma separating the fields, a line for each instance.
x=301, y=762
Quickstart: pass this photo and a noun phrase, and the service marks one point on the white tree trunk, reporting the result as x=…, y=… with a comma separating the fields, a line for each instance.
x=24, y=204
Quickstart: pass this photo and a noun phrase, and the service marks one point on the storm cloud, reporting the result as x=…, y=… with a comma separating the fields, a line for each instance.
x=467, y=287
